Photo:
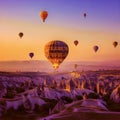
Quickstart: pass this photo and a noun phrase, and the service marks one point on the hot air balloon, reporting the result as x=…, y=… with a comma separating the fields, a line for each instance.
x=56, y=51
x=84, y=15
x=20, y=34
x=95, y=48
x=31, y=55
x=43, y=15
x=115, y=43
x=76, y=42
x=75, y=66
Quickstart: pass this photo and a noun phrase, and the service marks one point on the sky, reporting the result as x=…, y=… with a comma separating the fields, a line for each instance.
x=65, y=22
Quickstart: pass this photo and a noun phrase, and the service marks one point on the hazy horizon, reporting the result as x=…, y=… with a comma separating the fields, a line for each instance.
x=66, y=66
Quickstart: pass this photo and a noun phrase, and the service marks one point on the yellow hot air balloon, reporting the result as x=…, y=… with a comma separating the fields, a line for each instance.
x=75, y=66
x=43, y=15
x=56, y=51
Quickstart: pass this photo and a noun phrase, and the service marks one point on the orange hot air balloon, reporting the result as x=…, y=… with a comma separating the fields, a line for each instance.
x=56, y=51
x=43, y=15
x=115, y=43
x=20, y=34
x=84, y=15
x=95, y=48
x=76, y=42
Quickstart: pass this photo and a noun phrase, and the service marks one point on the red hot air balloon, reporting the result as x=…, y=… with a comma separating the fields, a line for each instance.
x=76, y=42
x=31, y=55
x=95, y=48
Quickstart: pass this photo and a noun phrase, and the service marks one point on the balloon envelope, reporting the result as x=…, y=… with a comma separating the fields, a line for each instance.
x=20, y=34
x=31, y=54
x=76, y=42
x=75, y=66
x=43, y=15
x=95, y=48
x=56, y=51
x=115, y=43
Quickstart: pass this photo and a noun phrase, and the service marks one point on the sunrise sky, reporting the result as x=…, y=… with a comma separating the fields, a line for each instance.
x=65, y=22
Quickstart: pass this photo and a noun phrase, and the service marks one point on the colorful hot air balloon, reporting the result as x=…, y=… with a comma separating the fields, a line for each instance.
x=84, y=15
x=20, y=34
x=31, y=55
x=56, y=51
x=43, y=15
x=115, y=43
x=95, y=48
x=76, y=42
